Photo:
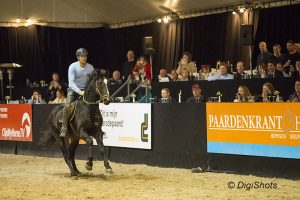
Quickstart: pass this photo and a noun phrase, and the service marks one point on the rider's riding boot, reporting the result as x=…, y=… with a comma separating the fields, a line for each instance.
x=65, y=121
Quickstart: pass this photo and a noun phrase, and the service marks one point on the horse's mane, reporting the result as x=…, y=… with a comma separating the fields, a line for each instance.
x=93, y=77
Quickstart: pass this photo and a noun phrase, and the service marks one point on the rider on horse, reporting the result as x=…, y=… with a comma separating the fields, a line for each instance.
x=78, y=76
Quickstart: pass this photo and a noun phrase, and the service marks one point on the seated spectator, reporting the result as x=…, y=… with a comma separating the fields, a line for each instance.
x=222, y=75
x=166, y=97
x=297, y=72
x=240, y=74
x=186, y=63
x=36, y=98
x=272, y=71
x=116, y=78
x=243, y=94
x=204, y=72
x=143, y=68
x=185, y=75
x=51, y=92
x=262, y=70
x=174, y=75
x=296, y=96
x=280, y=67
x=60, y=98
x=267, y=91
x=197, y=96
x=163, y=76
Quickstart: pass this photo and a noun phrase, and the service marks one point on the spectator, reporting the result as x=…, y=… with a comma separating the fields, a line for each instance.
x=128, y=65
x=272, y=71
x=36, y=98
x=267, y=91
x=264, y=54
x=296, y=96
x=243, y=94
x=262, y=70
x=240, y=74
x=166, y=97
x=116, y=78
x=204, y=72
x=143, y=68
x=279, y=67
x=60, y=98
x=186, y=63
x=51, y=92
x=291, y=57
x=222, y=75
x=297, y=72
x=185, y=75
x=174, y=75
x=197, y=96
x=277, y=56
x=163, y=76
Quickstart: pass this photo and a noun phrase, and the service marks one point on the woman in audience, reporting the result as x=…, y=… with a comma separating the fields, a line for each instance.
x=60, y=98
x=243, y=94
x=174, y=75
x=36, y=98
x=204, y=72
x=185, y=75
x=267, y=91
x=143, y=68
x=186, y=63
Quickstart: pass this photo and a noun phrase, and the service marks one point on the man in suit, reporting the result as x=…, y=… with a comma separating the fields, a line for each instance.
x=272, y=71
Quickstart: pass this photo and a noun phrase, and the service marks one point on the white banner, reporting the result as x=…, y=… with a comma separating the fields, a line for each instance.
x=127, y=124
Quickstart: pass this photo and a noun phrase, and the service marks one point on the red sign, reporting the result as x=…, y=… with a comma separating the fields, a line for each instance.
x=16, y=122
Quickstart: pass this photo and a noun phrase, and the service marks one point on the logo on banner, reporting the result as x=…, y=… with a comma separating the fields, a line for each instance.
x=144, y=127
x=26, y=121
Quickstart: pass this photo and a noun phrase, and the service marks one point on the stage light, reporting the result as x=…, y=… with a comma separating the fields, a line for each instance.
x=242, y=10
x=159, y=20
x=166, y=20
x=29, y=21
x=233, y=12
x=18, y=20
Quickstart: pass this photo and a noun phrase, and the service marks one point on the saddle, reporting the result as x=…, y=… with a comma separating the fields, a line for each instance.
x=73, y=109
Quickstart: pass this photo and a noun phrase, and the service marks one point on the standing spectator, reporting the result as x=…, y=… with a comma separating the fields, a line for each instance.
x=272, y=71
x=60, y=98
x=143, y=68
x=197, y=96
x=128, y=65
x=186, y=63
x=36, y=98
x=116, y=78
x=264, y=54
x=277, y=56
x=291, y=57
x=51, y=92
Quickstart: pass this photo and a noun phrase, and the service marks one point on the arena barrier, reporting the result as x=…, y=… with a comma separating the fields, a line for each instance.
x=178, y=140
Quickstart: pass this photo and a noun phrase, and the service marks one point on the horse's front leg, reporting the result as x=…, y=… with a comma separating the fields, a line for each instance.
x=104, y=152
x=73, y=146
x=89, y=142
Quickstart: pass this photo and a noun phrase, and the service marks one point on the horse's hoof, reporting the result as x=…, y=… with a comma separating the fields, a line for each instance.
x=79, y=174
x=110, y=171
x=88, y=167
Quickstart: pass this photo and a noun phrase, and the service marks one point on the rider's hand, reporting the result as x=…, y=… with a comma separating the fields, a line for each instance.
x=81, y=93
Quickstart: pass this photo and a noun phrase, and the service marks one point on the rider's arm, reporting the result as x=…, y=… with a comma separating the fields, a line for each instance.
x=72, y=76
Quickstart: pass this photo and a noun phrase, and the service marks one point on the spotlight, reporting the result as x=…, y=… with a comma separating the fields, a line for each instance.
x=159, y=20
x=242, y=10
x=166, y=20
x=233, y=12
x=18, y=20
x=29, y=21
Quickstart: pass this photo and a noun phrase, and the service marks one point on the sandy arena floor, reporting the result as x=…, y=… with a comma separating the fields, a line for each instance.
x=29, y=177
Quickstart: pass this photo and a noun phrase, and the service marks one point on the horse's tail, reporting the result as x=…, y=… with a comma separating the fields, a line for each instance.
x=48, y=137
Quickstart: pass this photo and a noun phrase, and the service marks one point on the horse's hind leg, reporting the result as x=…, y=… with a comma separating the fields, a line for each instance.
x=73, y=146
x=104, y=153
x=66, y=155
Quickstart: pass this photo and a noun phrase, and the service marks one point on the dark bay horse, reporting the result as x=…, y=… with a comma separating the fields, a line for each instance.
x=85, y=123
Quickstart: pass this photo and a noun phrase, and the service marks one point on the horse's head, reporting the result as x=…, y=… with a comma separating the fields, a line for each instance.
x=97, y=87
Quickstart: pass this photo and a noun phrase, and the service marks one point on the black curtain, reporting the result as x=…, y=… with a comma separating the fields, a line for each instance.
x=42, y=50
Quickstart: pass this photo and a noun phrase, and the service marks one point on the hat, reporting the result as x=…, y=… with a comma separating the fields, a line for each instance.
x=195, y=86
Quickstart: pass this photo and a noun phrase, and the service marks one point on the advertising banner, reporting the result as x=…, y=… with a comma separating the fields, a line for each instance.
x=16, y=122
x=259, y=129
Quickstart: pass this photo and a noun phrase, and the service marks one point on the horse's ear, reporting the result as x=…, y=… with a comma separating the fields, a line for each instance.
x=94, y=74
x=102, y=73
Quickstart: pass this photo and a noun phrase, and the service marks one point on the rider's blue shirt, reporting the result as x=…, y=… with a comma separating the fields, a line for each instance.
x=78, y=76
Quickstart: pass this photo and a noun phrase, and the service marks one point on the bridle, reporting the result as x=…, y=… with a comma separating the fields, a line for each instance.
x=101, y=99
